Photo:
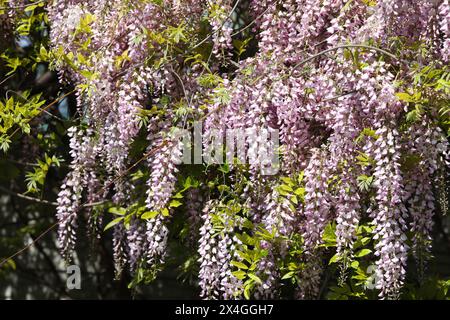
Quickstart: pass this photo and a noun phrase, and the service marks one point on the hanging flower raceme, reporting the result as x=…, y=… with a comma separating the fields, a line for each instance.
x=217, y=247
x=220, y=14
x=390, y=215
x=427, y=151
x=209, y=273
x=444, y=28
x=102, y=47
x=69, y=198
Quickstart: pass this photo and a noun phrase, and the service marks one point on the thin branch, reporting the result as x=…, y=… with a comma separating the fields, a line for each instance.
x=29, y=245
x=6, y=79
x=52, y=115
x=340, y=96
x=345, y=46
x=26, y=164
x=46, y=202
x=22, y=196
x=40, y=248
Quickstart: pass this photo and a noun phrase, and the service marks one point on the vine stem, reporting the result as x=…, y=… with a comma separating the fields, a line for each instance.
x=42, y=201
x=345, y=46
x=23, y=196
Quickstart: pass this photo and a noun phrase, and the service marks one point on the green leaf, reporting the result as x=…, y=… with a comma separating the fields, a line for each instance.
x=288, y=275
x=287, y=180
x=244, y=256
x=43, y=53
x=149, y=215
x=31, y=8
x=113, y=223
x=178, y=196
x=117, y=211
x=247, y=292
x=287, y=188
x=294, y=199
x=165, y=212
x=364, y=182
x=248, y=224
x=240, y=265
x=255, y=278
x=188, y=183
x=239, y=274
x=363, y=252
x=223, y=188
x=329, y=235
x=175, y=204
x=88, y=74
x=413, y=115
x=335, y=258
x=10, y=264
x=245, y=238
x=177, y=34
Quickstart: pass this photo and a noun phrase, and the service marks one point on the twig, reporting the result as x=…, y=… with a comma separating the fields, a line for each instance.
x=4, y=261
x=22, y=196
x=340, y=96
x=344, y=46
x=6, y=79
x=50, y=203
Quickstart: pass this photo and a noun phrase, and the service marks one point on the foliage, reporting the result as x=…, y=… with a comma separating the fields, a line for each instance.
x=358, y=92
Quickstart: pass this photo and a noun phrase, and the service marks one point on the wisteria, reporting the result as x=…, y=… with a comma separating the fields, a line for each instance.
x=390, y=215
x=208, y=250
x=331, y=79
x=69, y=198
x=430, y=144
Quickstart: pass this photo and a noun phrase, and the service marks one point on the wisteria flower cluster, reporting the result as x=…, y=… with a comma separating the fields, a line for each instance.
x=330, y=77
